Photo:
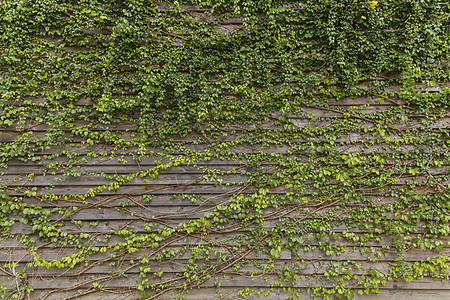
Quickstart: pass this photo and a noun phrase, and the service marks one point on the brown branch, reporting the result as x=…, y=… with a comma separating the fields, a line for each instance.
x=395, y=102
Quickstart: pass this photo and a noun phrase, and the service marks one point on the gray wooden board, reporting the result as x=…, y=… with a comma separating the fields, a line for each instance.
x=174, y=266
x=125, y=160
x=96, y=227
x=239, y=152
x=104, y=211
x=124, y=169
x=18, y=175
x=214, y=293
x=139, y=226
x=111, y=167
x=11, y=136
x=333, y=112
x=84, y=281
x=48, y=253
x=177, y=189
x=119, y=166
x=96, y=240
x=226, y=183
x=371, y=100
x=119, y=127
x=31, y=125
x=153, y=161
x=167, y=202
x=86, y=180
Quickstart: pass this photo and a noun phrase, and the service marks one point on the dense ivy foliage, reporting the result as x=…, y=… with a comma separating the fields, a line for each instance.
x=257, y=85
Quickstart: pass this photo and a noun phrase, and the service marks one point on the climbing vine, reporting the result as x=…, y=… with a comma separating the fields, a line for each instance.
x=155, y=147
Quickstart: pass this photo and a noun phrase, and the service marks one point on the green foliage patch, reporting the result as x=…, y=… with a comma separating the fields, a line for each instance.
x=315, y=135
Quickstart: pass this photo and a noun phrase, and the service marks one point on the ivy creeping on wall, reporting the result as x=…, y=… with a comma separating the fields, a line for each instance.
x=149, y=148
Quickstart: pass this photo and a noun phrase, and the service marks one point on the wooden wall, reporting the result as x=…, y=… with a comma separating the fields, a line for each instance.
x=115, y=209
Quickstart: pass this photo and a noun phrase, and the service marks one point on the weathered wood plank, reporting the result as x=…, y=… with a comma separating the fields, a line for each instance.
x=84, y=281
x=214, y=293
x=235, y=22
x=86, y=180
x=103, y=228
x=11, y=136
x=55, y=183
x=17, y=175
x=232, y=153
x=123, y=169
x=175, y=189
x=222, y=239
x=167, y=201
x=123, y=129
x=125, y=160
x=20, y=255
